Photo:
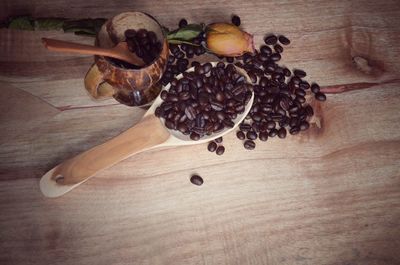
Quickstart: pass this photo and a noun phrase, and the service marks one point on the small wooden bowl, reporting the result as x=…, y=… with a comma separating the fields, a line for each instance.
x=132, y=87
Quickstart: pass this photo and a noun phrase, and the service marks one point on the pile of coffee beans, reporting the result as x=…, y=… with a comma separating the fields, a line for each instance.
x=205, y=101
x=279, y=106
x=142, y=42
x=280, y=96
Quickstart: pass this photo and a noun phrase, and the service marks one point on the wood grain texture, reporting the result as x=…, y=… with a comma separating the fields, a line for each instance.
x=330, y=195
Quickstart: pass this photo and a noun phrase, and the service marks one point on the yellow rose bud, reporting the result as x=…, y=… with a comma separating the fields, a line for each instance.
x=228, y=40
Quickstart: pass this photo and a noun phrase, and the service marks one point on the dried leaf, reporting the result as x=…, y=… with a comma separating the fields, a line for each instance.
x=187, y=33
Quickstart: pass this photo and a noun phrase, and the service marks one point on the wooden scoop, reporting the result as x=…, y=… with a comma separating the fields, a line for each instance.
x=149, y=133
x=120, y=51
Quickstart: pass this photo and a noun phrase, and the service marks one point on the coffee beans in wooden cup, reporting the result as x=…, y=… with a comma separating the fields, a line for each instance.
x=132, y=87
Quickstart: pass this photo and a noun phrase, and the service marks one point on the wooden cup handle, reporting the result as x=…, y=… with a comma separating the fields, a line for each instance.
x=148, y=133
x=96, y=86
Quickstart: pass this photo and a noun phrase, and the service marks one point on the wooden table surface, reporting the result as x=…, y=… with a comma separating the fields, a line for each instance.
x=330, y=195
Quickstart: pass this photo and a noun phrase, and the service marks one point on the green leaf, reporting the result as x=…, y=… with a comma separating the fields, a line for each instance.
x=49, y=23
x=187, y=33
x=21, y=23
x=173, y=41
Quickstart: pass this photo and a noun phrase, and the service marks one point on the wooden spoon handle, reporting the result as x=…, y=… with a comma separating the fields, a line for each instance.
x=117, y=52
x=65, y=46
x=146, y=134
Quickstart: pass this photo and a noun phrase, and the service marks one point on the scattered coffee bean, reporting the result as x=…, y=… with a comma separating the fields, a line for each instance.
x=240, y=135
x=284, y=40
x=320, y=96
x=196, y=180
x=212, y=146
x=304, y=125
x=273, y=133
x=282, y=133
x=183, y=23
x=218, y=140
x=278, y=48
x=249, y=144
x=220, y=150
x=299, y=73
x=315, y=88
x=270, y=40
x=251, y=135
x=236, y=20
x=263, y=136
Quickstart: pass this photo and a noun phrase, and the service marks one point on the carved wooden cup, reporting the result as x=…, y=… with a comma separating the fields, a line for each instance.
x=132, y=87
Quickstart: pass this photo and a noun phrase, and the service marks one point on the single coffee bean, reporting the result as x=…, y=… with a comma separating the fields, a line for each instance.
x=183, y=23
x=240, y=135
x=282, y=133
x=275, y=57
x=320, y=96
x=194, y=136
x=270, y=40
x=282, y=39
x=249, y=144
x=315, y=88
x=287, y=72
x=196, y=180
x=220, y=150
x=278, y=48
x=265, y=50
x=212, y=146
x=304, y=125
x=218, y=140
x=294, y=130
x=251, y=135
x=299, y=73
x=309, y=110
x=244, y=127
x=273, y=133
x=263, y=136
x=236, y=20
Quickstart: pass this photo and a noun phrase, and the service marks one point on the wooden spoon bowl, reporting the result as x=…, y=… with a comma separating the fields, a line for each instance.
x=149, y=133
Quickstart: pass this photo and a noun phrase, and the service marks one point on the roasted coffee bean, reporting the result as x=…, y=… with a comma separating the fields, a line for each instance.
x=299, y=73
x=183, y=23
x=275, y=57
x=251, y=135
x=282, y=39
x=287, y=72
x=309, y=110
x=196, y=180
x=270, y=125
x=240, y=135
x=282, y=133
x=249, y=144
x=244, y=127
x=300, y=92
x=294, y=130
x=273, y=133
x=164, y=95
x=236, y=20
x=304, y=85
x=212, y=146
x=194, y=136
x=315, y=88
x=219, y=140
x=179, y=55
x=270, y=40
x=263, y=136
x=130, y=33
x=320, y=96
x=220, y=150
x=304, y=125
x=301, y=99
x=230, y=59
x=278, y=48
x=265, y=50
